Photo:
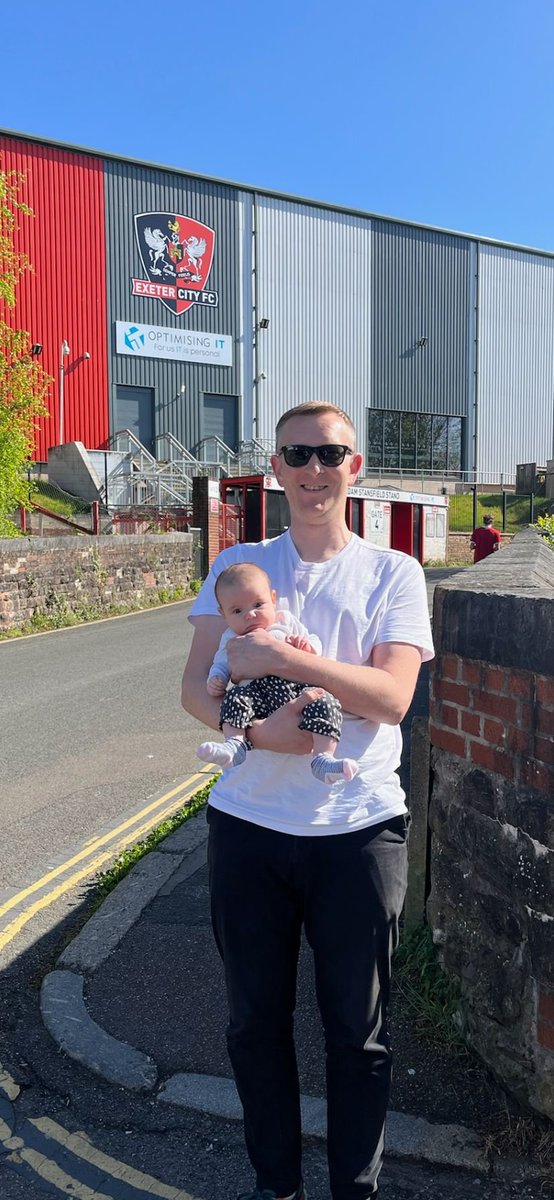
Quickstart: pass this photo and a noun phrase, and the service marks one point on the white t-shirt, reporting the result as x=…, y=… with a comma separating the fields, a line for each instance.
x=361, y=597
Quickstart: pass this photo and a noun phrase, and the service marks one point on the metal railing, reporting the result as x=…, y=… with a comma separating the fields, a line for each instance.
x=212, y=452
x=149, y=519
x=216, y=458
x=169, y=449
x=129, y=486
x=127, y=443
x=446, y=479
x=142, y=479
x=254, y=457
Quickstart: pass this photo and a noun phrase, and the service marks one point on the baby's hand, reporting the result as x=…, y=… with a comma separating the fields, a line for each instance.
x=216, y=686
x=300, y=642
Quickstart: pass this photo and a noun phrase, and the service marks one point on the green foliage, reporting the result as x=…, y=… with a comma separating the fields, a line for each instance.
x=170, y=595
x=100, y=572
x=23, y=383
x=194, y=586
x=545, y=526
x=49, y=496
x=107, y=880
x=431, y=994
x=460, y=518
x=59, y=615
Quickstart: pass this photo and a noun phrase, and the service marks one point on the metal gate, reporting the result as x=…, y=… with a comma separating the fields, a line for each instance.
x=231, y=525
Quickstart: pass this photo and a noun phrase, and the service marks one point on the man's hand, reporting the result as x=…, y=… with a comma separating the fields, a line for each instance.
x=254, y=655
x=280, y=731
x=216, y=686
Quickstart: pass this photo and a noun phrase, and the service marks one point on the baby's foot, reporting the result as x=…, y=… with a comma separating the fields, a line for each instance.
x=330, y=770
x=224, y=754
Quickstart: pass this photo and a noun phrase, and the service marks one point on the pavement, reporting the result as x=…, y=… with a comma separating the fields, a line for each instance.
x=138, y=998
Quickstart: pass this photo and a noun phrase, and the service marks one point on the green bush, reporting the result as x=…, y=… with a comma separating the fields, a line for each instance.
x=545, y=526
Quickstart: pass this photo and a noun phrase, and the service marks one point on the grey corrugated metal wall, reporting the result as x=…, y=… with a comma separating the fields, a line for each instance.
x=132, y=189
x=348, y=298
x=312, y=274
x=515, y=410
x=421, y=289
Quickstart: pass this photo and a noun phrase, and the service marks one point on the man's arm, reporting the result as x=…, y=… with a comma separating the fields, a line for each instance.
x=194, y=695
x=380, y=690
x=279, y=732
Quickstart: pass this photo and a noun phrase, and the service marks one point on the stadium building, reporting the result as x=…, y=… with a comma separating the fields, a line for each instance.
x=187, y=309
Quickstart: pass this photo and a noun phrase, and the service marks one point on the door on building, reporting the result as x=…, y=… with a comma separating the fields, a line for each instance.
x=220, y=418
x=406, y=528
x=134, y=410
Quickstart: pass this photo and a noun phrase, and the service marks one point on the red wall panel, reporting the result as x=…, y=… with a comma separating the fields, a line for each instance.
x=64, y=298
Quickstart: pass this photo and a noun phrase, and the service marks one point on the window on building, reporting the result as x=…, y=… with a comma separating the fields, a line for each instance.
x=375, y=438
x=408, y=441
x=424, y=441
x=414, y=442
x=391, y=440
x=440, y=443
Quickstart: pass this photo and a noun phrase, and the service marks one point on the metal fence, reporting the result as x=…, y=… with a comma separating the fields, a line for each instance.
x=152, y=520
x=509, y=511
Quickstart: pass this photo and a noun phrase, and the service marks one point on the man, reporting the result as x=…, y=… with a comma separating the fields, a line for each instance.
x=484, y=540
x=282, y=855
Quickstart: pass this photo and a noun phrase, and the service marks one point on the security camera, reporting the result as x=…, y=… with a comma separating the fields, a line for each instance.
x=36, y=349
x=86, y=354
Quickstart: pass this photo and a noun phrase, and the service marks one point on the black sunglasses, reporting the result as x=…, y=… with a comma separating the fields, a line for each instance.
x=329, y=455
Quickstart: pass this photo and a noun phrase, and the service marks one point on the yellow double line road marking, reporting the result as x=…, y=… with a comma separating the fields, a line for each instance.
x=70, y=1162
x=132, y=833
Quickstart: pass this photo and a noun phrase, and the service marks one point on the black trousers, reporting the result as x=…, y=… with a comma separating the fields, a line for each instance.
x=347, y=890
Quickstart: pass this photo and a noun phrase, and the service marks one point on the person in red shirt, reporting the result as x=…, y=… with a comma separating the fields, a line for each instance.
x=485, y=540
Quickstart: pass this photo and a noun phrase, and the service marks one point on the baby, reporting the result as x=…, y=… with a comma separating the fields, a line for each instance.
x=247, y=601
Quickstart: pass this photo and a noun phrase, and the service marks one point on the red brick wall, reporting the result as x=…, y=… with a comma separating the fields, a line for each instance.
x=500, y=719
x=206, y=515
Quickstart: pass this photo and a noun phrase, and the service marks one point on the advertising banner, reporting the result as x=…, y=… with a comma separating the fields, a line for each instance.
x=158, y=341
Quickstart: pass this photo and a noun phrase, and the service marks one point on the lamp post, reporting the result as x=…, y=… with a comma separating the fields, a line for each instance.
x=64, y=351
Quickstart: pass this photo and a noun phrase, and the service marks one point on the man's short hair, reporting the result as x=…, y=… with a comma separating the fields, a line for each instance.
x=236, y=573
x=487, y=520
x=314, y=408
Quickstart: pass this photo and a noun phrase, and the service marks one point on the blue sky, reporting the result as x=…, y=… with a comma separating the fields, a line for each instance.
x=427, y=110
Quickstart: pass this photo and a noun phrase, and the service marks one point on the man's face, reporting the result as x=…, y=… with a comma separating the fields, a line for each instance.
x=314, y=491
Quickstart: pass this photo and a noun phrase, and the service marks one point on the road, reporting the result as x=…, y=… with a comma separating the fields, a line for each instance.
x=92, y=731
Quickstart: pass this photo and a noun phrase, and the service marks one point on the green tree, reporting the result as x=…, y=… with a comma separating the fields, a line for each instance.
x=23, y=383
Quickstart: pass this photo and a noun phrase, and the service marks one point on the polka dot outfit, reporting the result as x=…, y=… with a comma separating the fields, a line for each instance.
x=248, y=702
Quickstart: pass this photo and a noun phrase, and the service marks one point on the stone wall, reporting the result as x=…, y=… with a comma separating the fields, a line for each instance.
x=491, y=905
x=56, y=575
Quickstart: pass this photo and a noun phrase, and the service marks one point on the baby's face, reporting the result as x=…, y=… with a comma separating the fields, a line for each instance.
x=247, y=606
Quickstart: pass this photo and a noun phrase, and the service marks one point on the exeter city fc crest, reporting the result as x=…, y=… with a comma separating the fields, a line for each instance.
x=176, y=254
